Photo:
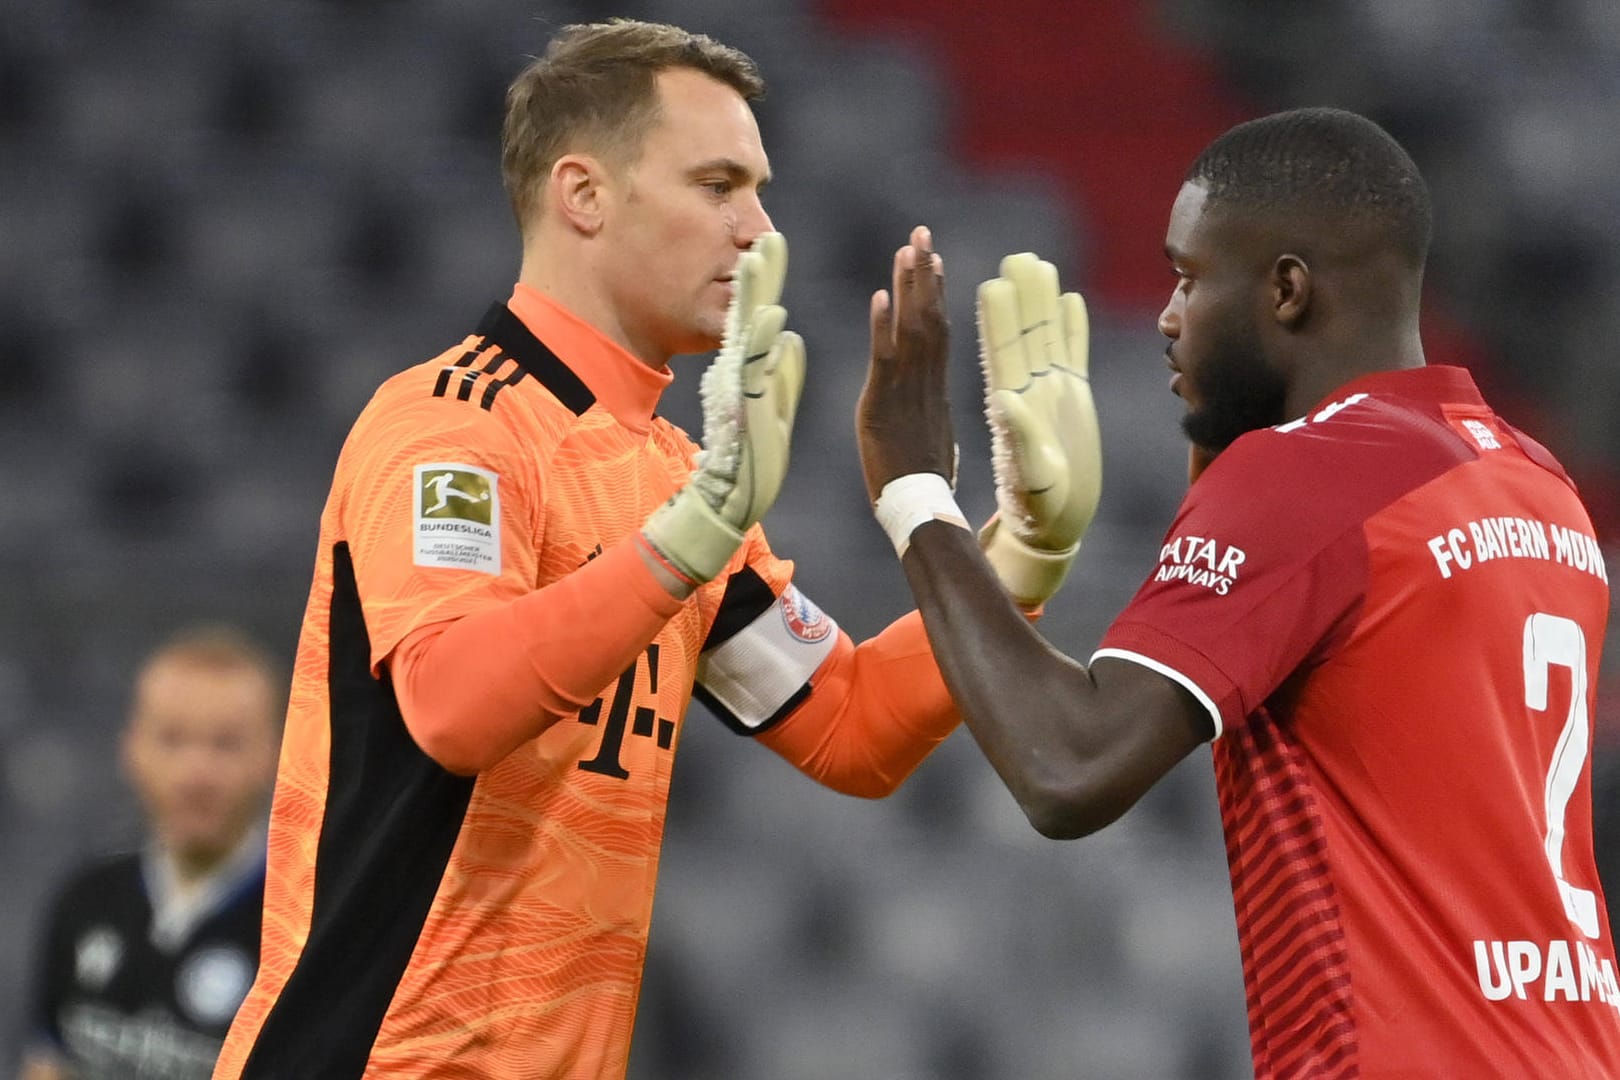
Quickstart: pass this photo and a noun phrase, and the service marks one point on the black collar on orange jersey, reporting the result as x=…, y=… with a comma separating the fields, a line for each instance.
x=507, y=333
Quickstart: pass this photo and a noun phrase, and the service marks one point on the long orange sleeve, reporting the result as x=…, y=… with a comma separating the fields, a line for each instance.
x=473, y=689
x=874, y=712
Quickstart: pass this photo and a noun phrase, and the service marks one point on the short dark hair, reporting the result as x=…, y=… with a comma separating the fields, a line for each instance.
x=595, y=88
x=1328, y=163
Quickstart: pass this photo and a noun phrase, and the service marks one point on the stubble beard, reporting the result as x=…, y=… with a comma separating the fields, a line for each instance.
x=1239, y=392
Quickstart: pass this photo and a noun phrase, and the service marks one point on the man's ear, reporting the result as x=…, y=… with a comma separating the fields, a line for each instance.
x=576, y=190
x=1292, y=288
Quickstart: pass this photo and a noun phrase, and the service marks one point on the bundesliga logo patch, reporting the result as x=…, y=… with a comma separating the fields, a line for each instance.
x=457, y=517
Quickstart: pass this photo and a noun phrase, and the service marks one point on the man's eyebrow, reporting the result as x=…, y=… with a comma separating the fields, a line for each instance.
x=735, y=170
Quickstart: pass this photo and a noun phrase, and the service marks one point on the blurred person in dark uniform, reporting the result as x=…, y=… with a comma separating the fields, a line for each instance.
x=146, y=955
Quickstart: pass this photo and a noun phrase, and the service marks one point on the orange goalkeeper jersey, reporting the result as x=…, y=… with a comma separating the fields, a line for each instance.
x=423, y=924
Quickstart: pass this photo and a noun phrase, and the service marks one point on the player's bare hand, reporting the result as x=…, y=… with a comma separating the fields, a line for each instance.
x=903, y=420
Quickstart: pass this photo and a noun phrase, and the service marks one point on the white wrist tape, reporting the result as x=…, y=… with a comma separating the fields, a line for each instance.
x=907, y=501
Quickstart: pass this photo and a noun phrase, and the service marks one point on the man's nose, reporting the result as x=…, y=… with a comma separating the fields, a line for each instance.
x=753, y=221
x=1170, y=320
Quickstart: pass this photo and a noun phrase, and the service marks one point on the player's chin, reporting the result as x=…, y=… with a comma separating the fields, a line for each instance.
x=704, y=336
x=203, y=842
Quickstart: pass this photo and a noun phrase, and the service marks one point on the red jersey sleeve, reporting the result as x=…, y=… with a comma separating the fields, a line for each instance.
x=1264, y=566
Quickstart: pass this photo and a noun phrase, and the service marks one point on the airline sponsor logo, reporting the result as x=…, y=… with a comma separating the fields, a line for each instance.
x=1202, y=561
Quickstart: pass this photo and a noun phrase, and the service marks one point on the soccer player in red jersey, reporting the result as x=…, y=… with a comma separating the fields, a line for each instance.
x=1382, y=602
x=523, y=578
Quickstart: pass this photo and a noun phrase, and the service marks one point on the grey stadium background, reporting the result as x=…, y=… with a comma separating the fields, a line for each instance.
x=223, y=222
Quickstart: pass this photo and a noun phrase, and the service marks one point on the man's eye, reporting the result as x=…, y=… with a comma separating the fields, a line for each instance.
x=718, y=187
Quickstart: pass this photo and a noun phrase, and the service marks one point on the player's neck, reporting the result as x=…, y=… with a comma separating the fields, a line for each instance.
x=1337, y=364
x=185, y=886
x=192, y=868
x=572, y=288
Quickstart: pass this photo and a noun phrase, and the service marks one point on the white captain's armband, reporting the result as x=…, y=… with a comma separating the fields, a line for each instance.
x=755, y=675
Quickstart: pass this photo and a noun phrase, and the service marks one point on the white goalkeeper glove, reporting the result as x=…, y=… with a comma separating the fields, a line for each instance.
x=1034, y=347
x=750, y=393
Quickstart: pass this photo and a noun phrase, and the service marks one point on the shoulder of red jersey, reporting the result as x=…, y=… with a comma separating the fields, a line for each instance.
x=1539, y=454
x=1339, y=463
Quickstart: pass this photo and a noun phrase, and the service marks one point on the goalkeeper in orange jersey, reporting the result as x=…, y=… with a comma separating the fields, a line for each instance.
x=522, y=579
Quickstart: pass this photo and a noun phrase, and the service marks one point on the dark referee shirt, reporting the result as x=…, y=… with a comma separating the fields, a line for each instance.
x=129, y=988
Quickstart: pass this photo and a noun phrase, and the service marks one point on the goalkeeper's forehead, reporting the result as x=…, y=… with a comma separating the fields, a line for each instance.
x=699, y=118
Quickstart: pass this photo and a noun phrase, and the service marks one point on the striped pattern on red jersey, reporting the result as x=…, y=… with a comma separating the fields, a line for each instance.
x=1296, y=972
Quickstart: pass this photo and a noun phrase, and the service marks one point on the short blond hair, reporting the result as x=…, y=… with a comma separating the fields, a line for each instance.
x=219, y=647
x=595, y=88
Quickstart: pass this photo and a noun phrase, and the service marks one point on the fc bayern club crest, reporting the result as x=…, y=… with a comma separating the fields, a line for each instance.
x=804, y=620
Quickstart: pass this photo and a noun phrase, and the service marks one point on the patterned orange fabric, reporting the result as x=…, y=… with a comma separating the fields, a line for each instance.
x=879, y=708
x=526, y=955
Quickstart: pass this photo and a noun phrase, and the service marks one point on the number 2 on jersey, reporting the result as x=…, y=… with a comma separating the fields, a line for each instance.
x=1550, y=640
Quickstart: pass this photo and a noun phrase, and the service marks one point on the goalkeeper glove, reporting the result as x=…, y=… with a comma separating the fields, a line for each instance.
x=750, y=393
x=1047, y=458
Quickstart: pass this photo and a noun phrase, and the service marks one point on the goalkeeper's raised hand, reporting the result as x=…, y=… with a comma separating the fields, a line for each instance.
x=1034, y=344
x=750, y=393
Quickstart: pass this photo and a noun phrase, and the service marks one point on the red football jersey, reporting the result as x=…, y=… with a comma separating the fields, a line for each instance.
x=1393, y=609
